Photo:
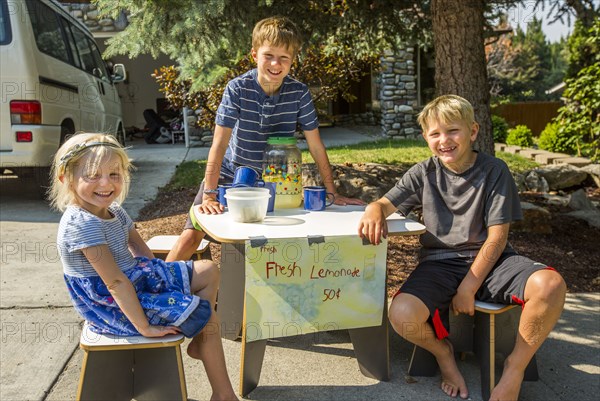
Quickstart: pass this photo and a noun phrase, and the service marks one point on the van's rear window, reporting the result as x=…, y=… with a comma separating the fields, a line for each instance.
x=5, y=31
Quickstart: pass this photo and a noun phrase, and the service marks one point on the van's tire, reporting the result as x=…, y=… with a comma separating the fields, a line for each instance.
x=67, y=130
x=42, y=181
x=40, y=176
x=120, y=135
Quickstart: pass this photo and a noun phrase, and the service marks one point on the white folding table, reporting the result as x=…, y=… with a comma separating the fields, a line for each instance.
x=370, y=343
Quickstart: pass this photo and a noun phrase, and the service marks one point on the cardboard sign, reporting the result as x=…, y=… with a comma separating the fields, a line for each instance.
x=300, y=286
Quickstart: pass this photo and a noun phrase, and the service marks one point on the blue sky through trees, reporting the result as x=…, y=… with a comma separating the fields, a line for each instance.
x=524, y=13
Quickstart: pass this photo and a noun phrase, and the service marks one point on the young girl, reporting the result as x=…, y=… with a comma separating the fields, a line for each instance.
x=112, y=277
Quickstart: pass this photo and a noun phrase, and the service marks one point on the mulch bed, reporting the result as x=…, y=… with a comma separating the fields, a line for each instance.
x=572, y=248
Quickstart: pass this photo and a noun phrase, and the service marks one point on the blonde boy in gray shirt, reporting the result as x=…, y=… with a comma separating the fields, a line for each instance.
x=469, y=200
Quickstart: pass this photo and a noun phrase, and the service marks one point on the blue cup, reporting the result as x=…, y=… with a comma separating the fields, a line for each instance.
x=244, y=177
x=315, y=198
x=221, y=196
x=272, y=186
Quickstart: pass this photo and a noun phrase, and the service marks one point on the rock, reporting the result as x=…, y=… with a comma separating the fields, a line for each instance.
x=370, y=193
x=535, y=220
x=574, y=161
x=369, y=181
x=593, y=171
x=553, y=199
x=579, y=201
x=403, y=109
x=531, y=153
x=561, y=176
x=536, y=183
x=592, y=217
x=92, y=15
x=106, y=22
x=520, y=181
x=514, y=149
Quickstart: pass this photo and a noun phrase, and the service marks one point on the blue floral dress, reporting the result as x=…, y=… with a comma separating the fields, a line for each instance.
x=163, y=289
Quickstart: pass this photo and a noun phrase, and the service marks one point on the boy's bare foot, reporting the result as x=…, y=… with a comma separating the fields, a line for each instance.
x=231, y=397
x=193, y=349
x=509, y=386
x=453, y=382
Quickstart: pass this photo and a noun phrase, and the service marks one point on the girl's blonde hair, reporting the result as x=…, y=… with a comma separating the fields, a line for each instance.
x=277, y=31
x=71, y=152
x=447, y=109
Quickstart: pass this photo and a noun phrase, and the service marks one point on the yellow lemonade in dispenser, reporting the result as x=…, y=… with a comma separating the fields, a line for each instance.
x=283, y=166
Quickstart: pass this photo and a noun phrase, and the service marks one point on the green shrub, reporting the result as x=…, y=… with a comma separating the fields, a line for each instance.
x=499, y=129
x=547, y=140
x=520, y=136
x=578, y=120
x=555, y=139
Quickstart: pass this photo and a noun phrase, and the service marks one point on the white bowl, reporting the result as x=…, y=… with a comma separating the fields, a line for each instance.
x=247, y=205
x=254, y=190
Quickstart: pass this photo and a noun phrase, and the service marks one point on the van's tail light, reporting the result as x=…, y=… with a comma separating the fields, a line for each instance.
x=24, y=136
x=25, y=112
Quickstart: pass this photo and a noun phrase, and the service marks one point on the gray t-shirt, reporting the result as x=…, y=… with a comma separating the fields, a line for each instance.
x=457, y=208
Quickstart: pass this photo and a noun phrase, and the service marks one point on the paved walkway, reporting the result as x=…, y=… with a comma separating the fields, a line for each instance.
x=323, y=367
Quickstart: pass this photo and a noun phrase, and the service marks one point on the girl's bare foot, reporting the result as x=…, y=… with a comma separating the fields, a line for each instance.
x=509, y=386
x=453, y=382
x=231, y=397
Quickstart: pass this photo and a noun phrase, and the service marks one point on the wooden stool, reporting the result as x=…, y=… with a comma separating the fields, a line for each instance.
x=123, y=368
x=492, y=330
x=161, y=245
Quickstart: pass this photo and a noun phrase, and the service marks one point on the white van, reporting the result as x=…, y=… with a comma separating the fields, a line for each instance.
x=54, y=84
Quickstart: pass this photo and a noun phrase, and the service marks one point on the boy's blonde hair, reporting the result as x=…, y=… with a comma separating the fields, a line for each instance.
x=67, y=158
x=277, y=31
x=447, y=109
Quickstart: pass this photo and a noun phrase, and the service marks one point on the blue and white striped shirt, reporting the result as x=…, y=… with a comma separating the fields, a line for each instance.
x=80, y=229
x=253, y=116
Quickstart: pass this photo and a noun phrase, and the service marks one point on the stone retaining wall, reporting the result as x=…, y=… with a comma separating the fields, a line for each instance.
x=398, y=94
x=88, y=15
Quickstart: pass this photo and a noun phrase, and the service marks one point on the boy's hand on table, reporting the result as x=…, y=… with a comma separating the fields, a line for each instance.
x=343, y=201
x=373, y=225
x=210, y=206
x=463, y=302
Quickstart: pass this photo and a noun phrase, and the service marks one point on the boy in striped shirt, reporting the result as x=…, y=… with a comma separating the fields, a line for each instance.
x=260, y=103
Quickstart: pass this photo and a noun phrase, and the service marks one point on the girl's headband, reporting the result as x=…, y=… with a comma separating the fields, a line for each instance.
x=80, y=147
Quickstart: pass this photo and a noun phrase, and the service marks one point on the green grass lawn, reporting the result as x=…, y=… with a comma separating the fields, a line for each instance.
x=386, y=151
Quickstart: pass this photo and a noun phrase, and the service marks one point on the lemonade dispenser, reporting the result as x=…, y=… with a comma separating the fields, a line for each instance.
x=283, y=166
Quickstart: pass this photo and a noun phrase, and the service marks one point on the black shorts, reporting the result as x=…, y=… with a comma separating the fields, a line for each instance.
x=435, y=283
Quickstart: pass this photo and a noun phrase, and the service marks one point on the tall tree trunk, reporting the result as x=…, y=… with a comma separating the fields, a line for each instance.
x=460, y=66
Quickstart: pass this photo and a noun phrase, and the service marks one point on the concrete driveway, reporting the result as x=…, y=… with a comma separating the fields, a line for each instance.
x=39, y=331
